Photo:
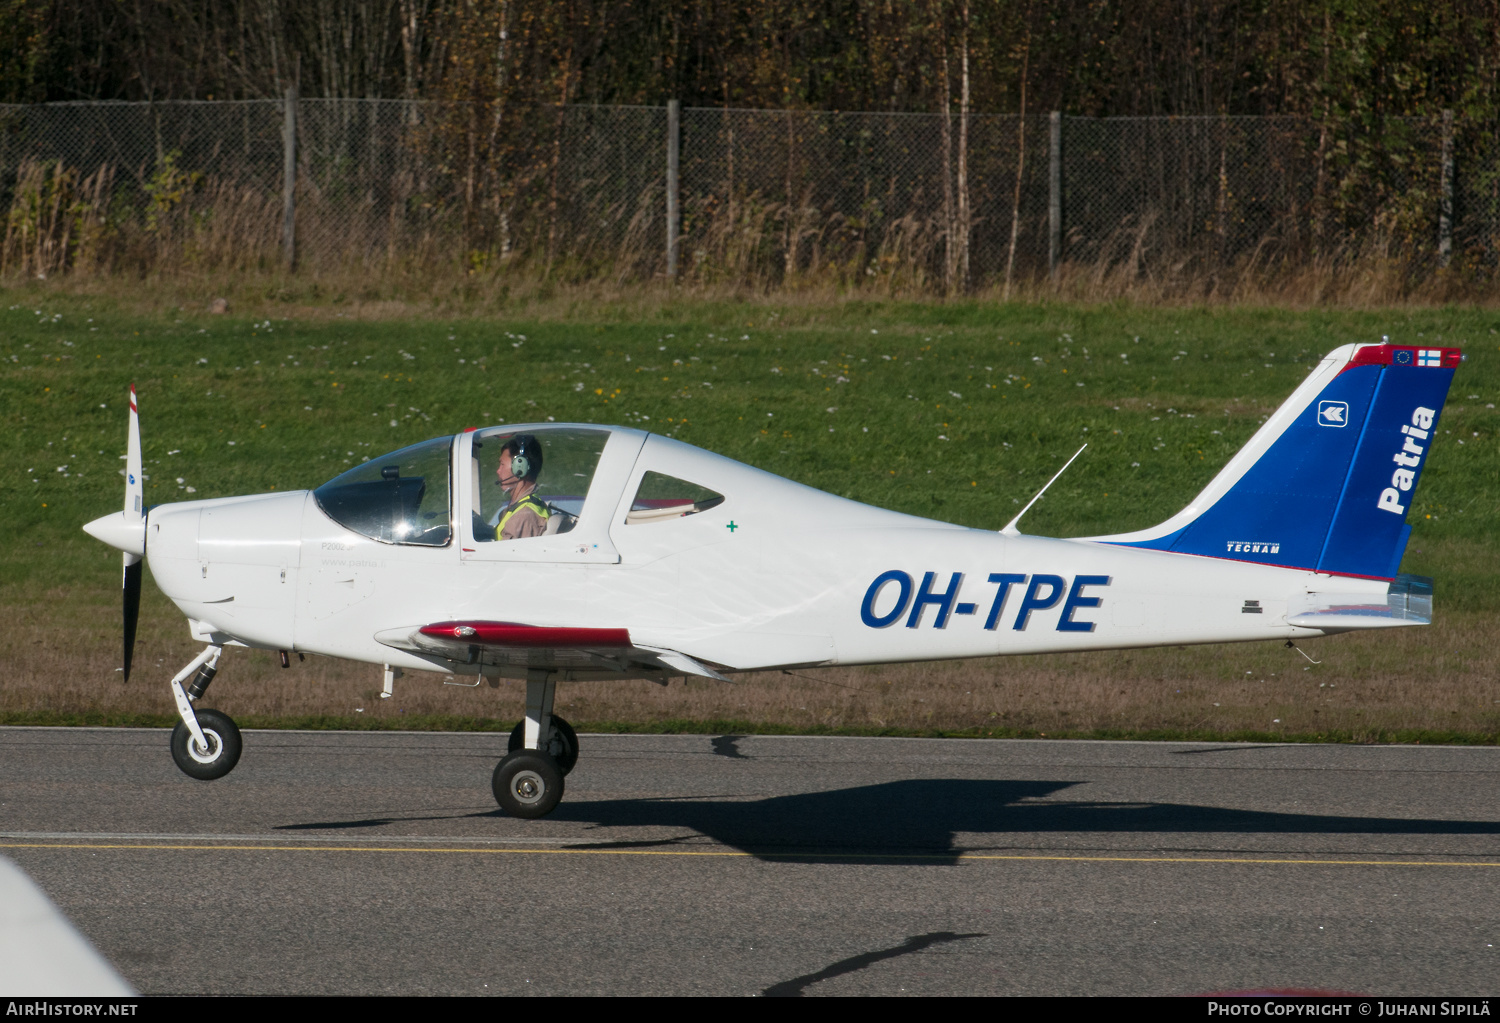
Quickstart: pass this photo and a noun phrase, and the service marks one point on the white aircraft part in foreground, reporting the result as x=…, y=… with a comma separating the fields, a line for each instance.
x=644, y=557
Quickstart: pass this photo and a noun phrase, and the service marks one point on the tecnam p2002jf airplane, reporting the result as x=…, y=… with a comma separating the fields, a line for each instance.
x=611, y=553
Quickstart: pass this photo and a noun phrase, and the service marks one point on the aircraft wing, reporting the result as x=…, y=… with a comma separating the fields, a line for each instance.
x=513, y=647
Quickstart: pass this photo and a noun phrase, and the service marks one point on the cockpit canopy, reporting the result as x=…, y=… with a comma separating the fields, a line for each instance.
x=403, y=497
x=513, y=483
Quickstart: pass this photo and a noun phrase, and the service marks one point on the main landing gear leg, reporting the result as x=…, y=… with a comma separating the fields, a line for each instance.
x=205, y=744
x=557, y=738
x=540, y=691
x=529, y=781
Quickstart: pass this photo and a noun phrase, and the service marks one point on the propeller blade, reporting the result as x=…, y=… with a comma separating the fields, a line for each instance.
x=134, y=491
x=135, y=512
x=131, y=588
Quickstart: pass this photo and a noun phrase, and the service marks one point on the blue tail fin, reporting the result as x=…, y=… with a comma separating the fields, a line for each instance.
x=1325, y=483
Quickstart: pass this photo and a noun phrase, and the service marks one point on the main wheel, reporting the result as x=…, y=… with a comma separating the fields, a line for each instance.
x=528, y=784
x=562, y=746
x=223, y=751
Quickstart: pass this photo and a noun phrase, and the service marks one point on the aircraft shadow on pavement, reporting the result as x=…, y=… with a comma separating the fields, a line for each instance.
x=917, y=820
x=920, y=818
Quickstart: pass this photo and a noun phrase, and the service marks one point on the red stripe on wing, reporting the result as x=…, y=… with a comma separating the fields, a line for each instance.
x=510, y=634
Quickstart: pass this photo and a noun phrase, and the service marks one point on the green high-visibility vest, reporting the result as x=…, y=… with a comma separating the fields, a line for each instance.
x=529, y=501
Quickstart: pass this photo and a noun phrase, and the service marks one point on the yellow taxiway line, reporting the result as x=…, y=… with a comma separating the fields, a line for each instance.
x=958, y=856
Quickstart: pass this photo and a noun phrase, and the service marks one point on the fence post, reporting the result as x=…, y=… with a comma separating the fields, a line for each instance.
x=289, y=178
x=1445, y=202
x=673, y=141
x=1054, y=194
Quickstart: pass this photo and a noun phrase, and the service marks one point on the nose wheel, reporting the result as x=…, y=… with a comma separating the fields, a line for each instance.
x=218, y=754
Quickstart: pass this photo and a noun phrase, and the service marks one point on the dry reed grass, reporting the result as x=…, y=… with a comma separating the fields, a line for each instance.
x=57, y=218
x=416, y=292
x=193, y=237
x=1438, y=681
x=62, y=223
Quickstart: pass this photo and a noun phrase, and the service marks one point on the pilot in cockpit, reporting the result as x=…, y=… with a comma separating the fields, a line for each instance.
x=525, y=514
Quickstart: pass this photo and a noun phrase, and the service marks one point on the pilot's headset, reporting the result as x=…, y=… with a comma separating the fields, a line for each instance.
x=526, y=459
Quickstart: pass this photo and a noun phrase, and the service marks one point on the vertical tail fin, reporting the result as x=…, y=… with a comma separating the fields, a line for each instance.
x=1326, y=482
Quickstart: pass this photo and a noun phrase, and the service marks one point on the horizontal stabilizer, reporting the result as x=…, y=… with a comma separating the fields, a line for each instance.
x=1349, y=619
x=1408, y=602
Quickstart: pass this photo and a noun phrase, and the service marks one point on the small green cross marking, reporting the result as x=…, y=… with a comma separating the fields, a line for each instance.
x=732, y=527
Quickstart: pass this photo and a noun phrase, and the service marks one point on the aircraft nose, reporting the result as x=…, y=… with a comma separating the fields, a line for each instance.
x=231, y=564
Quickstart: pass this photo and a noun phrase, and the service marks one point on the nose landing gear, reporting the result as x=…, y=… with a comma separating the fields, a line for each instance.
x=205, y=743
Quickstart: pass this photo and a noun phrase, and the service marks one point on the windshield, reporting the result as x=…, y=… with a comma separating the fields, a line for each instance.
x=532, y=482
x=402, y=497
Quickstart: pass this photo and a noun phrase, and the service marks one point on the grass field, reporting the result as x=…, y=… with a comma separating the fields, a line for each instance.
x=958, y=411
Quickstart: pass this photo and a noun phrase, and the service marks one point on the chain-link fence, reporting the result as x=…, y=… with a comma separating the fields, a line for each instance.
x=770, y=195
x=916, y=201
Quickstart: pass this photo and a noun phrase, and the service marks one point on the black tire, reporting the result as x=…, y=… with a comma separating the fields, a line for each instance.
x=528, y=784
x=563, y=748
x=223, y=737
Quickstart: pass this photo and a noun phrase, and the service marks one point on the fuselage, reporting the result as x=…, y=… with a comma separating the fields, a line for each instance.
x=776, y=575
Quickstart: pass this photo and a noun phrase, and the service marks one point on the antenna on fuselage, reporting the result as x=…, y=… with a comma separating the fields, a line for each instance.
x=1010, y=527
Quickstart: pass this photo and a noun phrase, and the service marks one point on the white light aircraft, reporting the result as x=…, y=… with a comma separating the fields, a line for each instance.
x=560, y=552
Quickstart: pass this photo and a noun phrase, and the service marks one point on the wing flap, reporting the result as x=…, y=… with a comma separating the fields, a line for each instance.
x=682, y=663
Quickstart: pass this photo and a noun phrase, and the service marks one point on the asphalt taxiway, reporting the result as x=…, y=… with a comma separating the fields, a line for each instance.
x=377, y=863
